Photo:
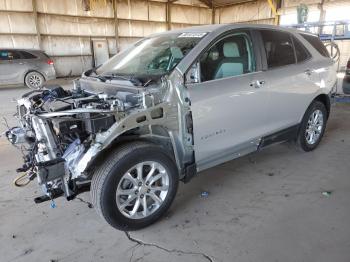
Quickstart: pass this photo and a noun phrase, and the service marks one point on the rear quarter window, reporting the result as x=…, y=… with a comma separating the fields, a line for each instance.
x=46, y=55
x=27, y=55
x=317, y=44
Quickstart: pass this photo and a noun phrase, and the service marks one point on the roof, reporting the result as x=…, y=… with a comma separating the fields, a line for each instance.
x=224, y=27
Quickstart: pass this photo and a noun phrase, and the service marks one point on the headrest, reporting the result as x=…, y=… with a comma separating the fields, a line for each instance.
x=214, y=55
x=231, y=49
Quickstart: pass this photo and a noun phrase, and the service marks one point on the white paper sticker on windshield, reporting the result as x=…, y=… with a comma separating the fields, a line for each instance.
x=193, y=35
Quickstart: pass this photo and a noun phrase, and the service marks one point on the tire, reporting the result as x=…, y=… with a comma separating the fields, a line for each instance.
x=111, y=177
x=306, y=141
x=34, y=80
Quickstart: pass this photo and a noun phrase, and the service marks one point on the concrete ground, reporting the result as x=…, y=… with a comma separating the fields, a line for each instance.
x=267, y=206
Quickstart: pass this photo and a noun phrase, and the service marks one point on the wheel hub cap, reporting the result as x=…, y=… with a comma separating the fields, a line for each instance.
x=314, y=127
x=35, y=81
x=142, y=190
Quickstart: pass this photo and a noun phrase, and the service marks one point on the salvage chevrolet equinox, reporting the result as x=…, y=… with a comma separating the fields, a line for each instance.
x=170, y=106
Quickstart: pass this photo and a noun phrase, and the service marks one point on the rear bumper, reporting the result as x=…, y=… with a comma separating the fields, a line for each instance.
x=50, y=73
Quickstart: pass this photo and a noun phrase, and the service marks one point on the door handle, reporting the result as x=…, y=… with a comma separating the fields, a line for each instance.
x=308, y=72
x=257, y=83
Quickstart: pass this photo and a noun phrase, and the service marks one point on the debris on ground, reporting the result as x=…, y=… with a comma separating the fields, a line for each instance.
x=326, y=193
x=205, y=194
x=27, y=251
x=90, y=205
x=270, y=174
x=14, y=236
x=252, y=161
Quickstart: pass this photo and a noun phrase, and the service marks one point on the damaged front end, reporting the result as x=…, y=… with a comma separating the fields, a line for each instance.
x=62, y=131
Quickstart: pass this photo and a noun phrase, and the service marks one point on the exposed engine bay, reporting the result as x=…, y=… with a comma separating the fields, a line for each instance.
x=62, y=131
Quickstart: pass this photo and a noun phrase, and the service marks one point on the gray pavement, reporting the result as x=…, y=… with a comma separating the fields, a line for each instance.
x=264, y=207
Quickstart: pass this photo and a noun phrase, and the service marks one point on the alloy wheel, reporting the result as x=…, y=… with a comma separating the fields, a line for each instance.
x=314, y=127
x=142, y=190
x=35, y=81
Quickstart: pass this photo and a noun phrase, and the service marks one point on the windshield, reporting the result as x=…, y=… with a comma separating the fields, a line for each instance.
x=155, y=56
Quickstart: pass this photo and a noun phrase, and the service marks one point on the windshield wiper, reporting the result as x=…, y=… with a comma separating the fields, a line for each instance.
x=148, y=82
x=131, y=78
x=103, y=79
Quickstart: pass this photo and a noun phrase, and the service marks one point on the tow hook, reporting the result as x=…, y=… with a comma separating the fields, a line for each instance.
x=54, y=193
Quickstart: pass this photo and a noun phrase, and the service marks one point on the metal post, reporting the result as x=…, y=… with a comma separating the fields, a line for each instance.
x=35, y=15
x=168, y=15
x=322, y=17
x=116, y=32
x=274, y=11
x=213, y=15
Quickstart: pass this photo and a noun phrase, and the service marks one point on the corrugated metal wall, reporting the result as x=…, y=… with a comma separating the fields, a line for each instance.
x=65, y=30
x=258, y=12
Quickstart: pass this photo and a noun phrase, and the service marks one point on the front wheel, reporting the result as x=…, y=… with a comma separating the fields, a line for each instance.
x=313, y=126
x=135, y=186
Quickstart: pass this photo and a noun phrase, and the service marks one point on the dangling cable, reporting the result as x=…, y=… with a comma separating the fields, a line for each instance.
x=18, y=182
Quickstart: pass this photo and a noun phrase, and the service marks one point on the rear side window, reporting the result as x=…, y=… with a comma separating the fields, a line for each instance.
x=316, y=43
x=6, y=55
x=26, y=55
x=300, y=50
x=278, y=47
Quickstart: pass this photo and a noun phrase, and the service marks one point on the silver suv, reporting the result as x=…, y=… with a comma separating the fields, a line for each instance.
x=24, y=66
x=170, y=106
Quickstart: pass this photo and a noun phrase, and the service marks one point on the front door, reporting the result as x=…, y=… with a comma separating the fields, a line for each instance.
x=11, y=67
x=228, y=101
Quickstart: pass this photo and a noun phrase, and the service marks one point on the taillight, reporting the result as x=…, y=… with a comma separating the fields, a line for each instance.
x=50, y=62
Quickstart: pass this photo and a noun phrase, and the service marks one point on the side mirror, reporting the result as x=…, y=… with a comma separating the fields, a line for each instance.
x=193, y=75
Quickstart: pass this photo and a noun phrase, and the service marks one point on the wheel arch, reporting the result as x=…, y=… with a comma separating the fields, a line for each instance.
x=323, y=98
x=161, y=138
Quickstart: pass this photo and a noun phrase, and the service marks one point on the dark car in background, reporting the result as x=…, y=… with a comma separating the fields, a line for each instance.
x=29, y=67
x=346, y=81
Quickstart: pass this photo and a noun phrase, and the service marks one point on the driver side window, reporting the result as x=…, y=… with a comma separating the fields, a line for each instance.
x=230, y=56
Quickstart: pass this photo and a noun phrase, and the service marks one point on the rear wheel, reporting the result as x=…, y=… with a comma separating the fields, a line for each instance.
x=135, y=186
x=313, y=126
x=34, y=80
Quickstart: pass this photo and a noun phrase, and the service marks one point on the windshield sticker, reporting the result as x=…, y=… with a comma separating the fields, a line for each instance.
x=192, y=35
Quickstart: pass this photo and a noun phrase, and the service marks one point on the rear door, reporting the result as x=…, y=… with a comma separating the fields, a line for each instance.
x=228, y=106
x=290, y=78
x=12, y=67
